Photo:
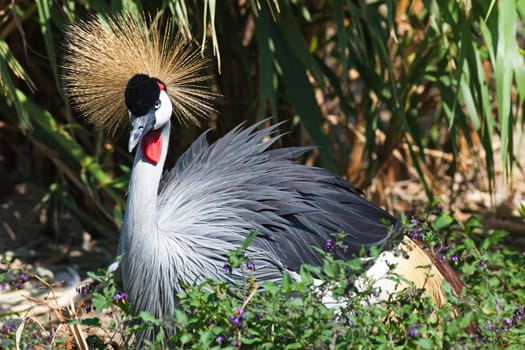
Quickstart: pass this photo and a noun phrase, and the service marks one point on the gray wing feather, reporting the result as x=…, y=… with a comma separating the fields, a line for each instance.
x=217, y=194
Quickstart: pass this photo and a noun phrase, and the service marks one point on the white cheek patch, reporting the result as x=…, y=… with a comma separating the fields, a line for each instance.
x=163, y=114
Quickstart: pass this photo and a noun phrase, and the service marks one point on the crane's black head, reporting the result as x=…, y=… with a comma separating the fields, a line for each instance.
x=149, y=106
x=142, y=92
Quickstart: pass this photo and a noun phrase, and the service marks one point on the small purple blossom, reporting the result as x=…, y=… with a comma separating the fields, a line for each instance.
x=415, y=230
x=506, y=323
x=18, y=285
x=84, y=289
x=412, y=332
x=235, y=321
x=120, y=297
x=250, y=265
x=227, y=268
x=3, y=287
x=236, y=318
x=329, y=245
x=23, y=278
x=518, y=316
x=441, y=260
x=7, y=328
x=219, y=339
x=455, y=260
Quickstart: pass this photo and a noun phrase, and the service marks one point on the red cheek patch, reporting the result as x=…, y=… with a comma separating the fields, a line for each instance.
x=152, y=146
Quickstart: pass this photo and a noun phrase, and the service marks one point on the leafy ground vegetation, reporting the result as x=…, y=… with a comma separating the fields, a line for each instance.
x=407, y=99
x=490, y=312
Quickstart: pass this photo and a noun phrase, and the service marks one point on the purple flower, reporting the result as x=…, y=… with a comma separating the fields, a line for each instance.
x=227, y=268
x=235, y=321
x=7, y=328
x=412, y=332
x=518, y=316
x=23, y=278
x=3, y=287
x=455, y=260
x=84, y=289
x=18, y=285
x=329, y=245
x=236, y=318
x=506, y=323
x=250, y=265
x=219, y=339
x=441, y=260
x=120, y=297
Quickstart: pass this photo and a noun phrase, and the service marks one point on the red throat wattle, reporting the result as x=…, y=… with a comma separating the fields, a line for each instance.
x=152, y=146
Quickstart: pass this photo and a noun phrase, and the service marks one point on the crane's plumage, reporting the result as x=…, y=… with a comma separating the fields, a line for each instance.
x=224, y=190
x=178, y=228
x=104, y=53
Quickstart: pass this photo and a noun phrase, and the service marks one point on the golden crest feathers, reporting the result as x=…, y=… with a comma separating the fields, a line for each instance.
x=102, y=55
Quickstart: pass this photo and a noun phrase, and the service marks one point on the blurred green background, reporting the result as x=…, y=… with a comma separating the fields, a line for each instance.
x=378, y=86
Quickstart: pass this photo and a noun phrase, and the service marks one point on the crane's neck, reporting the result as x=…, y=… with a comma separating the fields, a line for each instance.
x=140, y=220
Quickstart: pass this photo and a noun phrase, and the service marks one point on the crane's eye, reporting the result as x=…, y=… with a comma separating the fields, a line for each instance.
x=157, y=104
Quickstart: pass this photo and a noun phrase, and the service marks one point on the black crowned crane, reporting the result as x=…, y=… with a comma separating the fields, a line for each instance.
x=179, y=227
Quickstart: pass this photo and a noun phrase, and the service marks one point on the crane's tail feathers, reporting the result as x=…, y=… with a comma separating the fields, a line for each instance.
x=413, y=266
x=103, y=54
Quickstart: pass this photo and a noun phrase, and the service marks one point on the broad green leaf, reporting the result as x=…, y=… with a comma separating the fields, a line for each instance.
x=21, y=112
x=44, y=19
x=302, y=96
x=442, y=222
x=295, y=41
x=266, y=61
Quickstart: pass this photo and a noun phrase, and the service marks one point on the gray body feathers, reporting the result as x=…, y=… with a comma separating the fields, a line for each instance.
x=214, y=197
x=217, y=194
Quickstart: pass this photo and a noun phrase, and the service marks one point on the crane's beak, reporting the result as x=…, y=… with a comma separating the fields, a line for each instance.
x=139, y=127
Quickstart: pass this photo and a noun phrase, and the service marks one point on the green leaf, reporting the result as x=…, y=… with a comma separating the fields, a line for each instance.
x=266, y=61
x=424, y=343
x=181, y=317
x=295, y=41
x=330, y=268
x=248, y=240
x=442, y=222
x=101, y=302
x=185, y=338
x=306, y=276
x=149, y=318
x=302, y=96
x=90, y=322
x=44, y=19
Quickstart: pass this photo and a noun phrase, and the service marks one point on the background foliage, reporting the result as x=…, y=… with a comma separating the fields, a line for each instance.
x=404, y=76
